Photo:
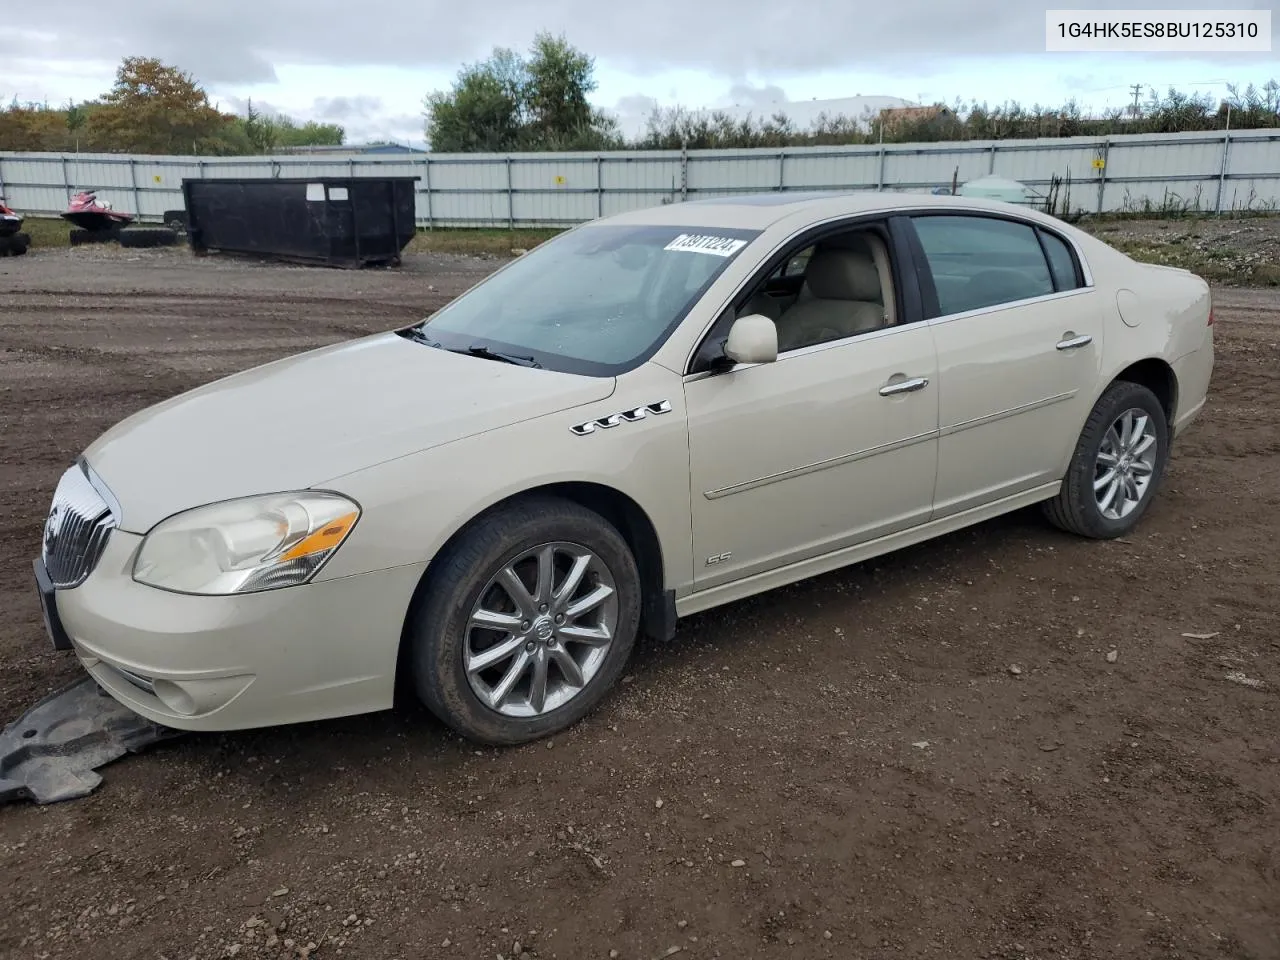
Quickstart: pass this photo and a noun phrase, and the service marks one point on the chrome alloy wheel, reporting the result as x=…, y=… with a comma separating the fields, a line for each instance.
x=1125, y=464
x=541, y=629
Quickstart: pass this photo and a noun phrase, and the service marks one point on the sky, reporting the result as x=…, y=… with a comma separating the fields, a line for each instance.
x=369, y=67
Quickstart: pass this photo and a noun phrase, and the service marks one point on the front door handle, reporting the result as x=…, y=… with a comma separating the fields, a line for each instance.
x=1075, y=343
x=904, y=386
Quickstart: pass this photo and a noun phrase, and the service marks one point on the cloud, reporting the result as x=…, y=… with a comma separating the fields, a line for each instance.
x=762, y=98
x=243, y=41
x=754, y=50
x=364, y=118
x=240, y=106
x=345, y=109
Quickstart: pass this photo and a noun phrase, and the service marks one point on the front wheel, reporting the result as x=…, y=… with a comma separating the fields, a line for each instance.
x=1117, y=466
x=528, y=621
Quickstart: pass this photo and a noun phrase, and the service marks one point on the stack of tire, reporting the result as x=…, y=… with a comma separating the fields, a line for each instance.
x=135, y=237
x=14, y=245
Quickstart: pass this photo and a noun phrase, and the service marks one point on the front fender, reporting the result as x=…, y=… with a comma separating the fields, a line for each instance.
x=413, y=505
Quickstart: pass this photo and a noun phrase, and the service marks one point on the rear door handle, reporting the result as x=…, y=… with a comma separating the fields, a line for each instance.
x=1075, y=343
x=904, y=386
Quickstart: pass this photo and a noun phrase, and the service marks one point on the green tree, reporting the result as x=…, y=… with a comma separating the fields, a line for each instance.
x=310, y=134
x=76, y=119
x=509, y=103
x=484, y=111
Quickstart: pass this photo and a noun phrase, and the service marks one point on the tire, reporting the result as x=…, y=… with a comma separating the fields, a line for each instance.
x=143, y=237
x=441, y=638
x=80, y=236
x=19, y=243
x=1076, y=509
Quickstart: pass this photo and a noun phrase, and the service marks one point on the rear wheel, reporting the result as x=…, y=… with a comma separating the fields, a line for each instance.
x=528, y=622
x=19, y=243
x=1117, y=467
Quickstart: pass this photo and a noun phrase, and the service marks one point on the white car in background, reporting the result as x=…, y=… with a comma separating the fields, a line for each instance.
x=648, y=416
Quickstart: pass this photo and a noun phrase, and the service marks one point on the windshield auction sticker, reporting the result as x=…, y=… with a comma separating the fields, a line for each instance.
x=716, y=246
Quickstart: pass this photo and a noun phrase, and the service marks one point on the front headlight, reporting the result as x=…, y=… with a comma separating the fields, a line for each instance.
x=243, y=546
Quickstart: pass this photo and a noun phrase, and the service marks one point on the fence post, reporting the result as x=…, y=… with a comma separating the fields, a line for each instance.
x=1, y=178
x=782, y=172
x=1222, y=172
x=426, y=185
x=511, y=198
x=991, y=163
x=684, y=174
x=599, y=186
x=66, y=183
x=1102, y=178
x=880, y=174
x=133, y=179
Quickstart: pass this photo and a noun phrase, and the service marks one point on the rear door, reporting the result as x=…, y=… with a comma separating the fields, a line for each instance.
x=1019, y=340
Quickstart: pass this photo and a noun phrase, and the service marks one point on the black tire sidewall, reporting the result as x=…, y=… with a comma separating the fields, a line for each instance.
x=1116, y=400
x=438, y=632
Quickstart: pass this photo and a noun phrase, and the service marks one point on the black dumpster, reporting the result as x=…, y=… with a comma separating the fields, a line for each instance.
x=336, y=221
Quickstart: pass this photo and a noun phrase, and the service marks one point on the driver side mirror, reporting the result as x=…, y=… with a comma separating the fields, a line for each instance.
x=752, y=339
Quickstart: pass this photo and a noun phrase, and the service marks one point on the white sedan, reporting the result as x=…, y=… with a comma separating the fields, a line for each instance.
x=648, y=416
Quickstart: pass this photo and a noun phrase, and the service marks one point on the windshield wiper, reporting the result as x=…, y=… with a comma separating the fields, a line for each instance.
x=418, y=335
x=478, y=350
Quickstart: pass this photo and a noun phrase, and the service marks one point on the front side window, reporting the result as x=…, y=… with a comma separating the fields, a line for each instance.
x=597, y=300
x=981, y=262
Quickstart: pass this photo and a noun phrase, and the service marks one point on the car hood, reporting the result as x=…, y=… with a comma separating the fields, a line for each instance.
x=306, y=419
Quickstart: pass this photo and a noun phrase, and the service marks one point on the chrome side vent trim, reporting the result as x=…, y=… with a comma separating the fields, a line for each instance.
x=633, y=415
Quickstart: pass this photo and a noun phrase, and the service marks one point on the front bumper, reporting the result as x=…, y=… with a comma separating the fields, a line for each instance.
x=324, y=649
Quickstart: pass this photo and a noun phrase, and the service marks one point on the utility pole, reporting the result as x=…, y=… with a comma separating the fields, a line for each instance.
x=1137, y=92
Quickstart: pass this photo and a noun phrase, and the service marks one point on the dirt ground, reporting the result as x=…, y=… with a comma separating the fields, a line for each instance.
x=927, y=756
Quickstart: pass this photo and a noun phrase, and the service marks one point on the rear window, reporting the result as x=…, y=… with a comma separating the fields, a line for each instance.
x=981, y=262
x=1065, y=275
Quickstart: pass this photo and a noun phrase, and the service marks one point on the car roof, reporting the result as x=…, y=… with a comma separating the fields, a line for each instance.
x=758, y=211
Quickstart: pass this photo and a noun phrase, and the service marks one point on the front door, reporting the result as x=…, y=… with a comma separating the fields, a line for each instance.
x=829, y=446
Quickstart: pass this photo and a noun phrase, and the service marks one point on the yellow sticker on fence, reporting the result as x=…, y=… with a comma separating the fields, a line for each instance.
x=156, y=178
x=560, y=181
x=1099, y=163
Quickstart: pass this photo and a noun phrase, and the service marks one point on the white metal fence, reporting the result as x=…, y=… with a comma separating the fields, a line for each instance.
x=1214, y=172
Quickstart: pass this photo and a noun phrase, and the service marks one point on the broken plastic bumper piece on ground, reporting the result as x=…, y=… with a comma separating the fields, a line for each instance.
x=51, y=753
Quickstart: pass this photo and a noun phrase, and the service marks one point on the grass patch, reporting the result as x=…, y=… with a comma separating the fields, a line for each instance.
x=1222, y=264
x=47, y=232
x=478, y=242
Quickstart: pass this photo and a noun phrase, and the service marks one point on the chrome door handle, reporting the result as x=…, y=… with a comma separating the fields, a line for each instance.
x=904, y=386
x=1074, y=343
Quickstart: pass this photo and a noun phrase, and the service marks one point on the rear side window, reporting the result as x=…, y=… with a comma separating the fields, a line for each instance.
x=981, y=262
x=1061, y=262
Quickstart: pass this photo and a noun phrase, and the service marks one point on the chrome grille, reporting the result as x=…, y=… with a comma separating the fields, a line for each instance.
x=76, y=532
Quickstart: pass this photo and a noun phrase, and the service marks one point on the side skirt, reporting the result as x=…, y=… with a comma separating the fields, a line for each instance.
x=791, y=573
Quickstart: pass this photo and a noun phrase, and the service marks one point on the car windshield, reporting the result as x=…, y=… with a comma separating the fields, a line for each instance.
x=597, y=300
